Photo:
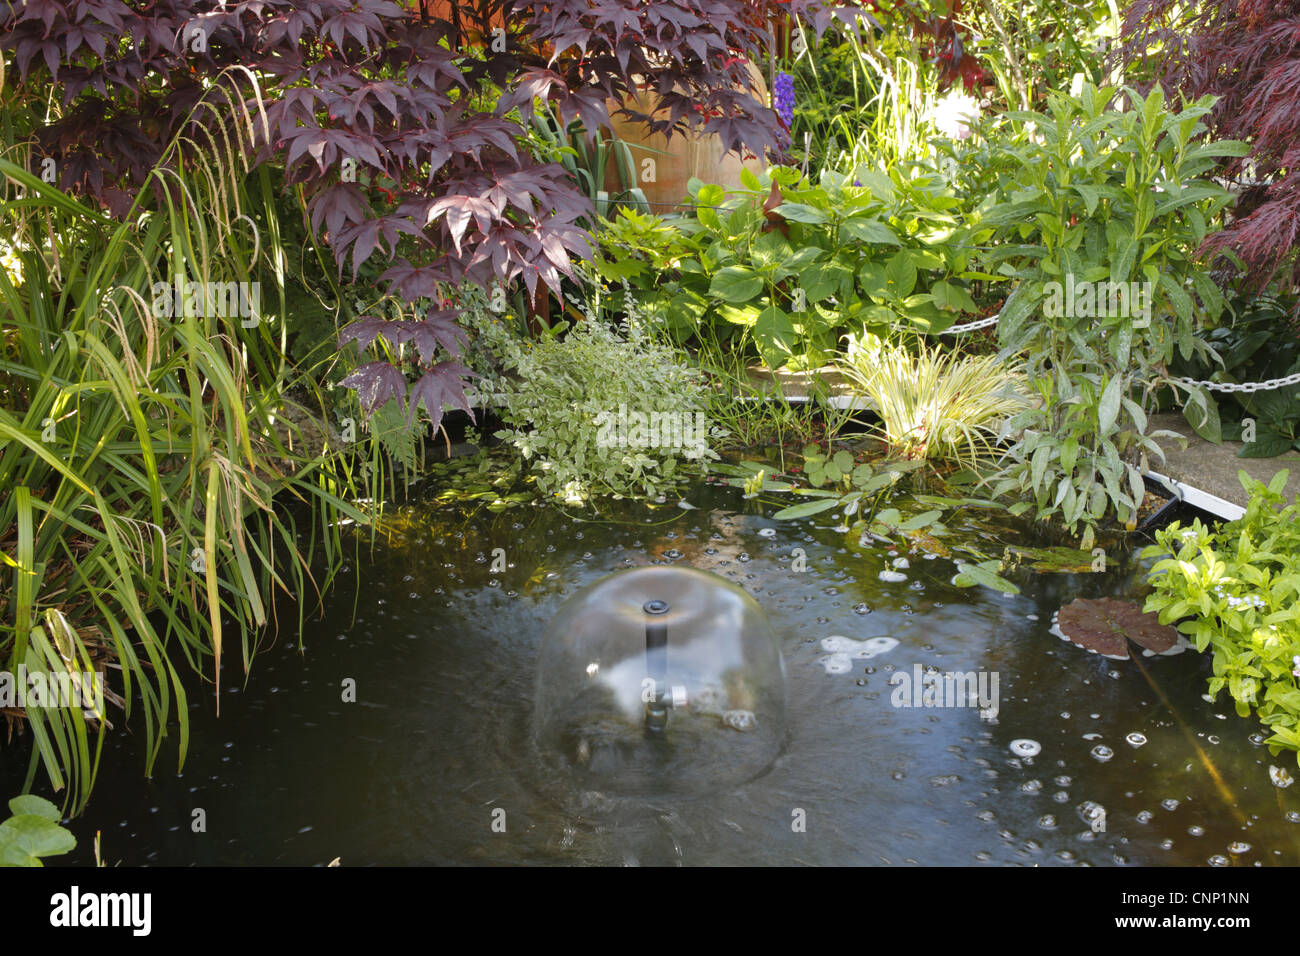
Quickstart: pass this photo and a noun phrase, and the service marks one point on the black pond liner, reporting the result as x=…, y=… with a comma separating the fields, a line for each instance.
x=1174, y=509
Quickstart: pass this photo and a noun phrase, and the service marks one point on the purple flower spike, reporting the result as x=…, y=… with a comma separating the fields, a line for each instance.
x=783, y=98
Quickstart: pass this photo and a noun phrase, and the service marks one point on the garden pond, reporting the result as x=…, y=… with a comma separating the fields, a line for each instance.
x=402, y=730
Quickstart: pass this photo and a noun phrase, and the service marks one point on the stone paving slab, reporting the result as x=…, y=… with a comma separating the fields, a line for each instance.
x=1213, y=468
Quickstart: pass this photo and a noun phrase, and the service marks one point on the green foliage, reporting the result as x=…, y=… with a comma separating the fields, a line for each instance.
x=135, y=446
x=870, y=93
x=586, y=159
x=601, y=412
x=1236, y=590
x=787, y=266
x=934, y=404
x=1111, y=203
x=1261, y=342
x=32, y=832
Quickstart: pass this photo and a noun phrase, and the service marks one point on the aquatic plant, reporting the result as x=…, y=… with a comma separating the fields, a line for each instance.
x=1106, y=625
x=33, y=832
x=1235, y=590
x=934, y=404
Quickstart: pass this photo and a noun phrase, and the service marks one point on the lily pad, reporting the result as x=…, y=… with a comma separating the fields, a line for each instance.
x=1106, y=625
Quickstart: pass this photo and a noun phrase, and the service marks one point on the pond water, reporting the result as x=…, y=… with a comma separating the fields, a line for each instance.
x=435, y=761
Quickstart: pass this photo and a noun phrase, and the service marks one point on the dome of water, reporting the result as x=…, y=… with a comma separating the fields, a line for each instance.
x=661, y=679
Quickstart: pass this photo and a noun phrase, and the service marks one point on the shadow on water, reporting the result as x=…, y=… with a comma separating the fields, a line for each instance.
x=442, y=653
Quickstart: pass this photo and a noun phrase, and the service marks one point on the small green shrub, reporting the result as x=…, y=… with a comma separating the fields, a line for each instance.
x=1237, y=590
x=600, y=411
x=1100, y=227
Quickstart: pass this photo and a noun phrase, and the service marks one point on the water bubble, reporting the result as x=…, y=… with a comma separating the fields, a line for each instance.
x=1257, y=739
x=1135, y=739
x=901, y=563
x=1238, y=847
x=1102, y=753
x=1280, y=777
x=892, y=577
x=988, y=816
x=1063, y=780
x=672, y=554
x=1196, y=831
x=767, y=532
x=1061, y=796
x=739, y=719
x=1166, y=844
x=1047, y=822
x=861, y=609
x=742, y=557
x=1218, y=860
x=1145, y=816
x=709, y=700
x=1170, y=804
x=1024, y=747
x=1293, y=816
x=836, y=663
x=1031, y=786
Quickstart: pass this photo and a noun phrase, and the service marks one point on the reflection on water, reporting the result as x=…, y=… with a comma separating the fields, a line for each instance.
x=434, y=761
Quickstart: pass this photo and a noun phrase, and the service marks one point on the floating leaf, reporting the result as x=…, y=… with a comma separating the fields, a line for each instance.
x=1106, y=625
x=807, y=508
x=985, y=573
x=1052, y=560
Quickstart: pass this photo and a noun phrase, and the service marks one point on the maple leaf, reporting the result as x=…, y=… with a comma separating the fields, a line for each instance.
x=375, y=384
x=444, y=384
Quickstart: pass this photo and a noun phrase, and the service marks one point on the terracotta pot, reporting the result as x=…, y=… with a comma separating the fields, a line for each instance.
x=676, y=161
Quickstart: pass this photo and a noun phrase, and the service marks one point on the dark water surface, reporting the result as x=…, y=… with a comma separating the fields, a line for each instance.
x=438, y=742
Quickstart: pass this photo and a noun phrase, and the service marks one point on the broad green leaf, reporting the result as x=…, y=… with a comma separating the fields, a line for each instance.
x=736, y=284
x=807, y=508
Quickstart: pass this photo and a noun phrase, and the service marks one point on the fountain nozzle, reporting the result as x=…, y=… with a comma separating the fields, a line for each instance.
x=656, y=656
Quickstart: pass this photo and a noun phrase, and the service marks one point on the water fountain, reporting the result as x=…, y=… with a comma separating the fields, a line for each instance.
x=661, y=679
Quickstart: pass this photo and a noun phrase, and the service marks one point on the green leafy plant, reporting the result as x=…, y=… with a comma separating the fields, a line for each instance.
x=1236, y=591
x=1108, y=207
x=33, y=832
x=934, y=404
x=599, y=411
x=787, y=266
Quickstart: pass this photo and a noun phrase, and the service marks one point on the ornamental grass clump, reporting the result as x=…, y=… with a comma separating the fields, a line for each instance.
x=933, y=404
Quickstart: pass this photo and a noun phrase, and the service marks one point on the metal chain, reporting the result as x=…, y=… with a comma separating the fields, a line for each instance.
x=1243, y=386
x=1212, y=386
x=971, y=326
